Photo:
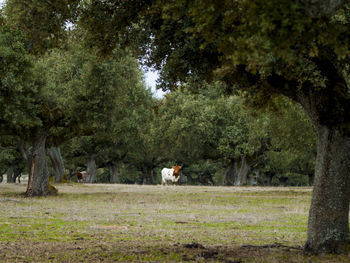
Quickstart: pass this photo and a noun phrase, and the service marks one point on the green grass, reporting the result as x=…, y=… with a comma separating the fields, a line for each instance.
x=154, y=224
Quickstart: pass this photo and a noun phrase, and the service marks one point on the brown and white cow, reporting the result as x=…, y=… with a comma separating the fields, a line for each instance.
x=171, y=174
x=80, y=176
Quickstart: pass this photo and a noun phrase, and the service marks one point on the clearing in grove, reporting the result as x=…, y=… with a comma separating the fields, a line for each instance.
x=133, y=223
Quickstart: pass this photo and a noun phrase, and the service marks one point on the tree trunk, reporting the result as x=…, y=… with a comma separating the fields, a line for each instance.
x=241, y=172
x=114, y=171
x=328, y=225
x=229, y=173
x=255, y=178
x=11, y=175
x=91, y=169
x=17, y=174
x=236, y=172
x=57, y=162
x=328, y=108
x=148, y=177
x=38, y=172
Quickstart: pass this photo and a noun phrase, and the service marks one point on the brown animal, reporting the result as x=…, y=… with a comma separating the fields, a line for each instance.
x=80, y=176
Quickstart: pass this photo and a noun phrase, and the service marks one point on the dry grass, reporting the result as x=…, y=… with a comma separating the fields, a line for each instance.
x=135, y=223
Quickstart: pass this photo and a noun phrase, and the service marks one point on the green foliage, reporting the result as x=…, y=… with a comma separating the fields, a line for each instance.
x=17, y=84
x=265, y=47
x=201, y=173
x=206, y=125
x=103, y=176
x=105, y=101
x=157, y=33
x=44, y=22
x=292, y=148
x=7, y=158
x=290, y=128
x=129, y=174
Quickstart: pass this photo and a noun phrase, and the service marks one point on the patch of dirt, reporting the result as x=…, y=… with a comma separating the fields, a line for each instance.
x=274, y=245
x=193, y=245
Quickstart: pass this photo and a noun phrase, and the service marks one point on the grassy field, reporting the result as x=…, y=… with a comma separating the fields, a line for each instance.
x=132, y=223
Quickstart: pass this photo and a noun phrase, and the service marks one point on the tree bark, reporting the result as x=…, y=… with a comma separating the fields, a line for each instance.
x=236, y=172
x=10, y=175
x=90, y=169
x=114, y=171
x=241, y=172
x=17, y=174
x=328, y=108
x=57, y=162
x=37, y=167
x=328, y=225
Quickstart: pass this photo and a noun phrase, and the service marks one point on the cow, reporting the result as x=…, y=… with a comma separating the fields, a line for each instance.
x=80, y=176
x=171, y=174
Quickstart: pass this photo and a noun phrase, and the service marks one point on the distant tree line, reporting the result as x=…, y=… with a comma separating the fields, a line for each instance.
x=128, y=139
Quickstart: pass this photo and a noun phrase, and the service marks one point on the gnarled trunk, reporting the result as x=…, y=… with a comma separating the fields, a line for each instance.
x=38, y=172
x=242, y=170
x=328, y=225
x=236, y=172
x=114, y=171
x=90, y=169
x=57, y=162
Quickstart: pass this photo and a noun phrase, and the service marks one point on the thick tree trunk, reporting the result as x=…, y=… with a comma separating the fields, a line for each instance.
x=90, y=169
x=328, y=226
x=11, y=175
x=38, y=172
x=241, y=172
x=328, y=108
x=57, y=163
x=236, y=172
x=114, y=171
